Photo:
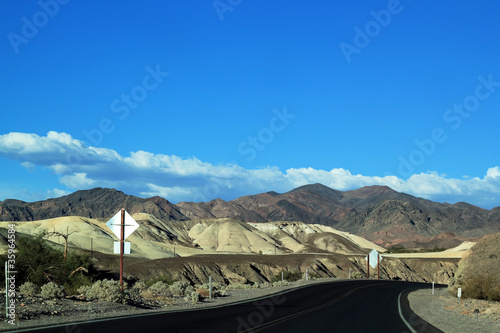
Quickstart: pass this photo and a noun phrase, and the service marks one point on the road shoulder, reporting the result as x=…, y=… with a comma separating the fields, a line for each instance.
x=442, y=311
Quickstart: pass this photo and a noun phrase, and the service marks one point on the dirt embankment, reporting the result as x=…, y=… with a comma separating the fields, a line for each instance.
x=478, y=273
x=262, y=268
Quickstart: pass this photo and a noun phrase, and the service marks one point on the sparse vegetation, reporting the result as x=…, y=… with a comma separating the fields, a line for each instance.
x=39, y=263
x=165, y=279
x=179, y=288
x=239, y=286
x=105, y=290
x=288, y=276
x=482, y=286
x=52, y=290
x=402, y=249
x=478, y=273
x=195, y=297
x=29, y=289
x=358, y=275
x=161, y=289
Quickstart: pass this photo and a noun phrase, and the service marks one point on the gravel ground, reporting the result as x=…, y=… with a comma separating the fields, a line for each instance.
x=441, y=310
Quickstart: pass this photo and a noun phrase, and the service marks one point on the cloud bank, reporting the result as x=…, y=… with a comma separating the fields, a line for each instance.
x=188, y=179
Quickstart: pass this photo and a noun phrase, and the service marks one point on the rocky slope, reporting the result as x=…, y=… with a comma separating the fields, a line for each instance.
x=95, y=203
x=376, y=212
x=263, y=268
x=478, y=273
x=157, y=238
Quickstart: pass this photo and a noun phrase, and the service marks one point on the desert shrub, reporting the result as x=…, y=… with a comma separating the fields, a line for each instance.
x=189, y=289
x=218, y=289
x=140, y=285
x=104, y=290
x=29, y=289
x=256, y=285
x=239, y=286
x=280, y=283
x=205, y=292
x=266, y=285
x=52, y=290
x=164, y=279
x=195, y=297
x=482, y=287
x=161, y=289
x=357, y=275
x=288, y=276
x=178, y=288
x=222, y=292
x=39, y=262
x=83, y=290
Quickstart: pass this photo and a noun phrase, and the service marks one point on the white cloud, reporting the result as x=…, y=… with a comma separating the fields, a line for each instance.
x=168, y=192
x=493, y=172
x=78, y=180
x=56, y=193
x=178, y=179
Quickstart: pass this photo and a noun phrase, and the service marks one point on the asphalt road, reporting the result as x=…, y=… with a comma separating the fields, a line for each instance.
x=344, y=306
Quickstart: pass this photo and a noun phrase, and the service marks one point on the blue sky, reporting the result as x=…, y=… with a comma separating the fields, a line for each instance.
x=194, y=100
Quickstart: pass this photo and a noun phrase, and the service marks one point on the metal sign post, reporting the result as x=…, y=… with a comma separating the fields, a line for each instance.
x=122, y=232
x=368, y=268
x=378, y=266
x=122, y=225
x=210, y=286
x=459, y=294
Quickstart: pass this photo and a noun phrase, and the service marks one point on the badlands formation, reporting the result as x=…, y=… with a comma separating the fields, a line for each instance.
x=232, y=251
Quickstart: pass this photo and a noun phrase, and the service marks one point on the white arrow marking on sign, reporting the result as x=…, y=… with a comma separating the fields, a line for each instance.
x=114, y=224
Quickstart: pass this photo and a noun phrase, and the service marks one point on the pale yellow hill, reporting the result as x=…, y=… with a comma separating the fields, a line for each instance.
x=156, y=238
x=456, y=252
x=227, y=235
x=302, y=237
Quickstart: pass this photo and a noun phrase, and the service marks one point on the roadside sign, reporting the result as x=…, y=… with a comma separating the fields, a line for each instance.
x=373, y=258
x=122, y=225
x=114, y=224
x=126, y=248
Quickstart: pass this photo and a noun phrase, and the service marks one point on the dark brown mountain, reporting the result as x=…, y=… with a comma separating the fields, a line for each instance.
x=95, y=203
x=375, y=212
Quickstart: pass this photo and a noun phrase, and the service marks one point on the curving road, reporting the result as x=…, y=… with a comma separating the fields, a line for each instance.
x=342, y=306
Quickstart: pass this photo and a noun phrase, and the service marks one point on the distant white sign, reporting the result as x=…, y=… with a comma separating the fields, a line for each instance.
x=459, y=292
x=114, y=224
x=126, y=247
x=372, y=258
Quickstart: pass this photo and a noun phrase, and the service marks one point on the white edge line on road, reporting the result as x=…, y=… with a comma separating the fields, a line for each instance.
x=412, y=330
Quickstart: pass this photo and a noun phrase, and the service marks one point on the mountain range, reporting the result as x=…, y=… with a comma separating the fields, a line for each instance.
x=377, y=213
